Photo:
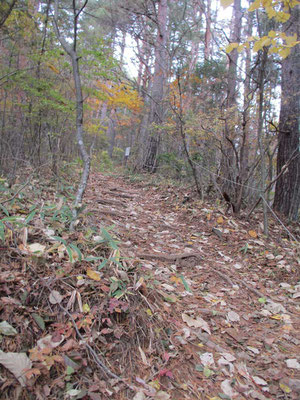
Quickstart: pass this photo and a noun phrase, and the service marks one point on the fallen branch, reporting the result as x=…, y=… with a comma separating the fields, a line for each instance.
x=169, y=257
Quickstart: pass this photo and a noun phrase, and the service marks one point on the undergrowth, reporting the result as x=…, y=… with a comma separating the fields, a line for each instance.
x=63, y=293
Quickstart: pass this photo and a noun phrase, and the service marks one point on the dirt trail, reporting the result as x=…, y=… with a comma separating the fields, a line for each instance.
x=231, y=295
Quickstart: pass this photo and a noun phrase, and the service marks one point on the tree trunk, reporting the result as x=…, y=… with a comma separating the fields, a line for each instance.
x=244, y=149
x=228, y=162
x=261, y=87
x=287, y=191
x=111, y=133
x=72, y=52
x=157, y=92
x=207, y=44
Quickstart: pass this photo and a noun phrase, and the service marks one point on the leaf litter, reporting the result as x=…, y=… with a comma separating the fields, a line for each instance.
x=144, y=301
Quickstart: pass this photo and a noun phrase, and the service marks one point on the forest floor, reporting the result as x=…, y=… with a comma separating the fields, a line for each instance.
x=160, y=298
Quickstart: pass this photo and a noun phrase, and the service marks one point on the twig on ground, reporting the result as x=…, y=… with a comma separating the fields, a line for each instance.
x=225, y=277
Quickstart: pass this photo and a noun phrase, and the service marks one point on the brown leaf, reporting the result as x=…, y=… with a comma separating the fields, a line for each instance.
x=252, y=234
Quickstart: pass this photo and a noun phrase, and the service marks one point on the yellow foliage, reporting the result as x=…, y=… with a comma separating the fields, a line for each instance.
x=272, y=34
x=226, y=3
x=121, y=95
x=254, y=6
x=231, y=46
x=53, y=68
x=281, y=16
x=284, y=52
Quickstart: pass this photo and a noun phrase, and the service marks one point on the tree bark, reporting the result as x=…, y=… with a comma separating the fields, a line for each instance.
x=287, y=191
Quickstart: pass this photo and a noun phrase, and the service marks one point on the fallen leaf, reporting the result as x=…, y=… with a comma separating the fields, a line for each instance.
x=143, y=356
x=207, y=359
x=259, y=381
x=37, y=249
x=139, y=396
x=168, y=287
x=6, y=329
x=232, y=316
x=162, y=395
x=49, y=342
x=55, y=297
x=73, y=392
x=220, y=220
x=196, y=323
x=39, y=320
x=166, y=372
x=229, y=357
x=207, y=372
x=292, y=363
x=252, y=234
x=253, y=349
x=275, y=308
x=86, y=308
x=285, y=388
x=227, y=388
x=93, y=274
x=17, y=364
x=175, y=279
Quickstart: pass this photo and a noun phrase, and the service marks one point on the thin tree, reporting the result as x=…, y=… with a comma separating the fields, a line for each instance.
x=71, y=50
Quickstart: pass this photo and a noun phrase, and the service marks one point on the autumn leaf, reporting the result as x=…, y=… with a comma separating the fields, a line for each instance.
x=285, y=388
x=53, y=68
x=93, y=275
x=86, y=308
x=254, y=6
x=175, y=279
x=220, y=220
x=226, y=3
x=231, y=46
x=252, y=234
x=196, y=323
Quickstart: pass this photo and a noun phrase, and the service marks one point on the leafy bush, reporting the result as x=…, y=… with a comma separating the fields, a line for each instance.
x=118, y=154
